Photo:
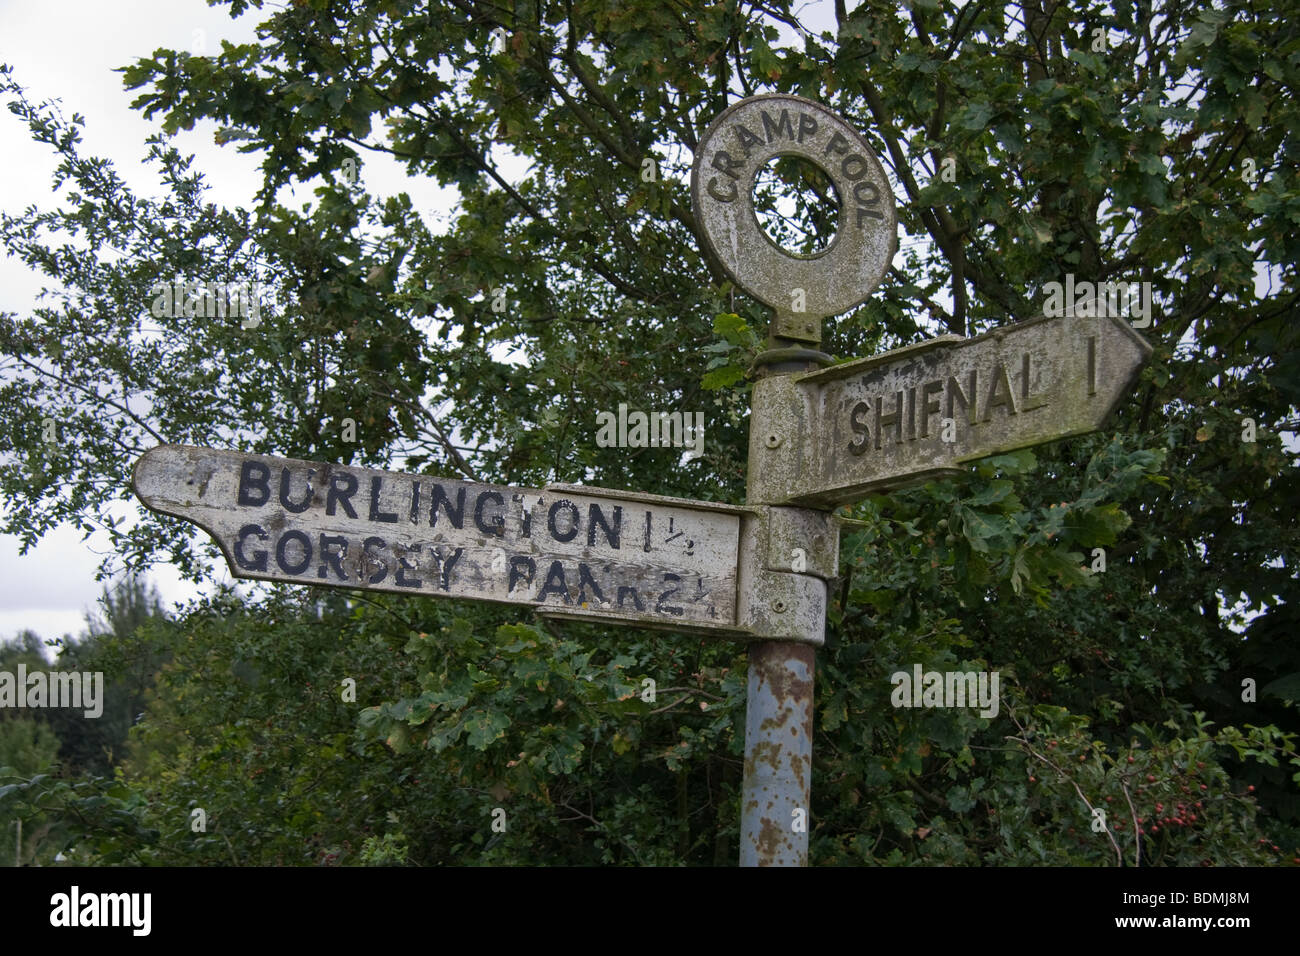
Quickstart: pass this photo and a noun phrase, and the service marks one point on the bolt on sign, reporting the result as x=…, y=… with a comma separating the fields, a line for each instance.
x=645, y=559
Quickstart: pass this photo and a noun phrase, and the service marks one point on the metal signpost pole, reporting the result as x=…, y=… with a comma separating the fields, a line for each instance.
x=787, y=554
x=774, y=809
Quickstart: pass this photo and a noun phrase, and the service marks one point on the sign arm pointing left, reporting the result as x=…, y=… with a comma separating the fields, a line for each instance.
x=580, y=552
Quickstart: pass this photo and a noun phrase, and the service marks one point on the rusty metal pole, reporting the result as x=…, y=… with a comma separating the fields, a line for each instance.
x=778, y=755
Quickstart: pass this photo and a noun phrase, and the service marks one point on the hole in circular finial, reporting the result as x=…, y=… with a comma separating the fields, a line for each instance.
x=796, y=205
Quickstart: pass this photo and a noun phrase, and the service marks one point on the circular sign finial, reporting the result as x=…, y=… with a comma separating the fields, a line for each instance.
x=802, y=289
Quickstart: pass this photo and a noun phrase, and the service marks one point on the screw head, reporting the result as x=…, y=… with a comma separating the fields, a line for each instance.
x=779, y=606
x=773, y=440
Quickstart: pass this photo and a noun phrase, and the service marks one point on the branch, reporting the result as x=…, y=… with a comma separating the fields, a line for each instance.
x=99, y=398
x=415, y=408
x=672, y=705
x=1119, y=856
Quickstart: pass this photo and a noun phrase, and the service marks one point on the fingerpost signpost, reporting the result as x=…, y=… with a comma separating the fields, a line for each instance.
x=821, y=435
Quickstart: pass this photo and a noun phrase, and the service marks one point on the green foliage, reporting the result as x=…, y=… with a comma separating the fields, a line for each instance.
x=96, y=746
x=733, y=356
x=557, y=732
x=28, y=748
x=388, y=850
x=249, y=722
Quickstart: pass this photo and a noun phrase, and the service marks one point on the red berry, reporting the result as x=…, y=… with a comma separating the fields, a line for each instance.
x=1151, y=778
x=1155, y=829
x=1251, y=788
x=1192, y=818
x=1130, y=759
x=1204, y=787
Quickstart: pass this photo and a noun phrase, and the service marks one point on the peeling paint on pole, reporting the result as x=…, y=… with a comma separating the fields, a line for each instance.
x=775, y=816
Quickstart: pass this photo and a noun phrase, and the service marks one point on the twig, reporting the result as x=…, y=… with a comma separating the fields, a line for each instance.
x=672, y=705
x=1137, y=837
x=1119, y=856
